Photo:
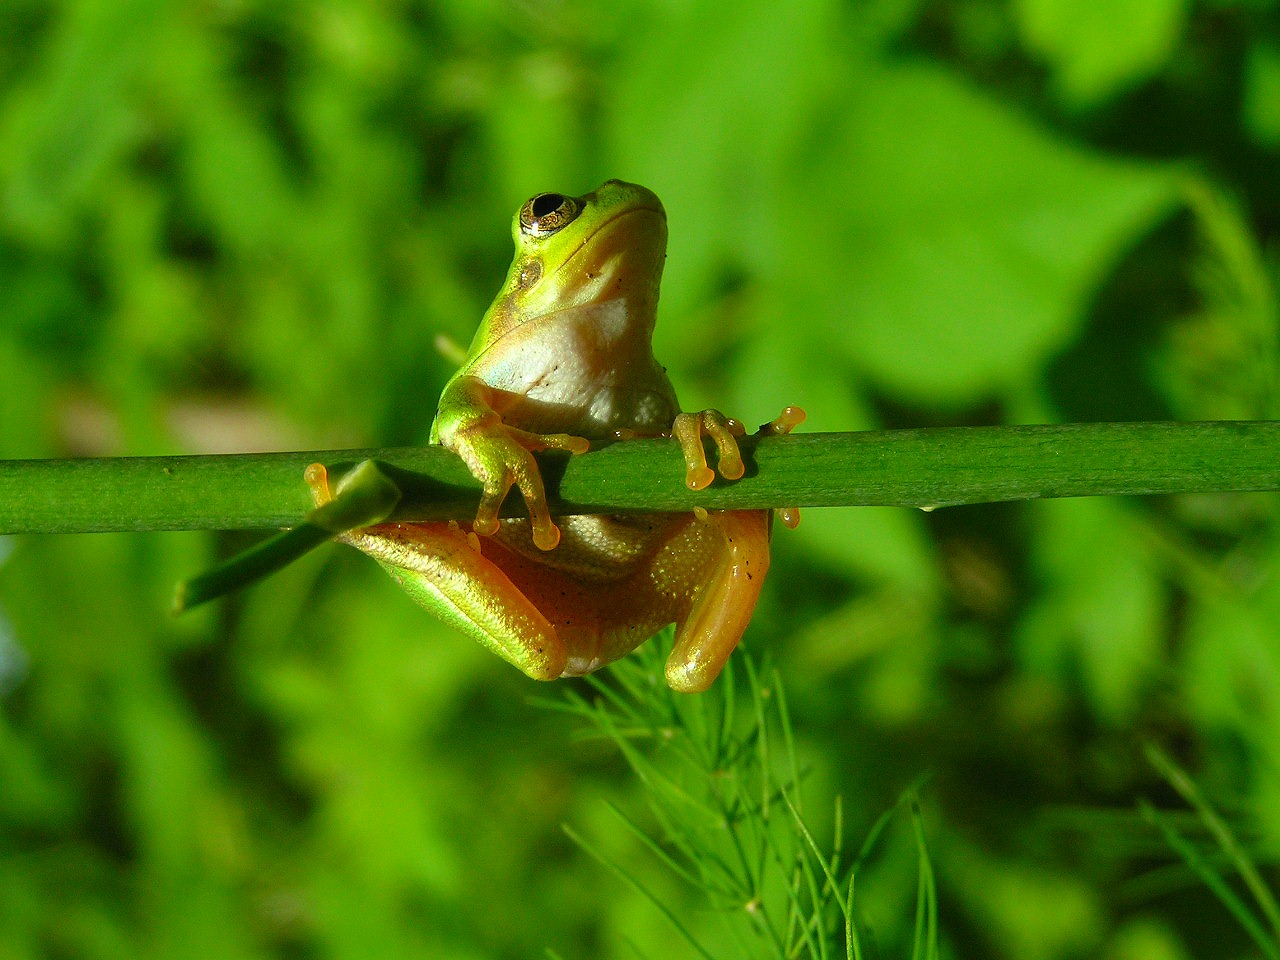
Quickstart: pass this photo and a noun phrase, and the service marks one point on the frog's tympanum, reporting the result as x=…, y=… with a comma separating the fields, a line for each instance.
x=563, y=360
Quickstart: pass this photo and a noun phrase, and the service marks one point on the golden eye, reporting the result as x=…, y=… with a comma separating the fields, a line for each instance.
x=546, y=213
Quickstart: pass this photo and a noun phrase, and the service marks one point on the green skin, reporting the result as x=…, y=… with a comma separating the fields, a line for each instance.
x=565, y=352
x=563, y=360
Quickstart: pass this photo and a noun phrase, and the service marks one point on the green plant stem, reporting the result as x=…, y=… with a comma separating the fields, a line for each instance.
x=914, y=468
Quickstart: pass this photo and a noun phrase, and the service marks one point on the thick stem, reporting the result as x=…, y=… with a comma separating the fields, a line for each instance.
x=915, y=468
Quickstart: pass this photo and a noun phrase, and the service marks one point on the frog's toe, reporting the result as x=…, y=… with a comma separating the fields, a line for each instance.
x=790, y=516
x=568, y=442
x=546, y=535
x=317, y=479
x=783, y=423
x=699, y=478
x=725, y=431
x=689, y=429
x=486, y=522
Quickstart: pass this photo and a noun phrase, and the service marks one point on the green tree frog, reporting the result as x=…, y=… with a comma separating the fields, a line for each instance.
x=563, y=360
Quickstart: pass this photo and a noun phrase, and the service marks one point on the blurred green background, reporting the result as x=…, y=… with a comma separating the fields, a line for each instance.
x=241, y=225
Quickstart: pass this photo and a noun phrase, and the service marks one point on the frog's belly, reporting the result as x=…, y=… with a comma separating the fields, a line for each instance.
x=595, y=411
x=587, y=370
x=612, y=582
x=592, y=549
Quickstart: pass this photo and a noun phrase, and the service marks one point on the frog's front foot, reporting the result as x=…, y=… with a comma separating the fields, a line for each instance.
x=689, y=429
x=500, y=457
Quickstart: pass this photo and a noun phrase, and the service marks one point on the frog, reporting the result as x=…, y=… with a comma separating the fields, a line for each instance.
x=563, y=361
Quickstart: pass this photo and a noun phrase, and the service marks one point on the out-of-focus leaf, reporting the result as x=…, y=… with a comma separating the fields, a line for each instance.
x=1220, y=362
x=101, y=695
x=1229, y=673
x=1030, y=912
x=1145, y=938
x=24, y=426
x=1231, y=667
x=1262, y=92
x=887, y=545
x=948, y=245
x=535, y=126
x=741, y=82
x=63, y=128
x=1097, y=49
x=1098, y=618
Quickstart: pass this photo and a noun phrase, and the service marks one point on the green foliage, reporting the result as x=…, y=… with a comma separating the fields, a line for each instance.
x=724, y=789
x=245, y=226
x=1096, y=50
x=1261, y=919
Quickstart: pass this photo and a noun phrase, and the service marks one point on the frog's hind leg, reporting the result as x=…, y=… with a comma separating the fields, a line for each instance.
x=440, y=566
x=735, y=546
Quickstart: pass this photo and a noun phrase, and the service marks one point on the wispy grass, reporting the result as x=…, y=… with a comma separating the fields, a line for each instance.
x=726, y=817
x=1214, y=863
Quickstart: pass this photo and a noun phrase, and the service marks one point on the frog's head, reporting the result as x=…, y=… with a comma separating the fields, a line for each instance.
x=575, y=251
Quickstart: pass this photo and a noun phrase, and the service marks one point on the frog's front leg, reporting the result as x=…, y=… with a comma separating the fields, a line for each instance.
x=442, y=568
x=469, y=422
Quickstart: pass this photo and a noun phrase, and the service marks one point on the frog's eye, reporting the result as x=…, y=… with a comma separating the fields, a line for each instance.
x=546, y=213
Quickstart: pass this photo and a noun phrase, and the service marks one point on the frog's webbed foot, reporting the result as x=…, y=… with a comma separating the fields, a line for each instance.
x=689, y=429
x=500, y=457
x=781, y=425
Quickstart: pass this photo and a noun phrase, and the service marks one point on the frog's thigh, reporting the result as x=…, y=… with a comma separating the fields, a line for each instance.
x=736, y=560
x=438, y=568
